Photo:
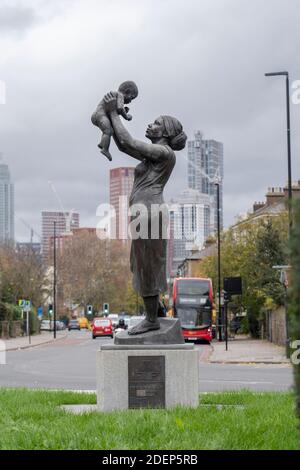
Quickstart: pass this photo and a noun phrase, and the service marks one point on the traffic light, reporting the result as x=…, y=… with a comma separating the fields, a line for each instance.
x=106, y=309
x=89, y=309
x=50, y=309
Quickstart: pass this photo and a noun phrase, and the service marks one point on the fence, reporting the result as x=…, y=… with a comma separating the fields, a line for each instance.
x=10, y=329
x=275, y=327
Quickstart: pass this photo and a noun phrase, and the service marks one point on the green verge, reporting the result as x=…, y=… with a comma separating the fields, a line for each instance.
x=32, y=419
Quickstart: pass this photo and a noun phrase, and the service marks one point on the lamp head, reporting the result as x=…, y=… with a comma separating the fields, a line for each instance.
x=276, y=74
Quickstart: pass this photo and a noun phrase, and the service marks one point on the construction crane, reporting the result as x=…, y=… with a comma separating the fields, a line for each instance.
x=32, y=231
x=67, y=215
x=215, y=180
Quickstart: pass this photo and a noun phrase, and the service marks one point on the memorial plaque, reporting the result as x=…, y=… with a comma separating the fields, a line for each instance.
x=146, y=382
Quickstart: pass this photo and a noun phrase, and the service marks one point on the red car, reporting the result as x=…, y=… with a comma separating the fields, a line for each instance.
x=102, y=327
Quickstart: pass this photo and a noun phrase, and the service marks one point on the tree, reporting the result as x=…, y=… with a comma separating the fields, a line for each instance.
x=22, y=276
x=294, y=295
x=270, y=252
x=93, y=271
x=250, y=250
x=133, y=301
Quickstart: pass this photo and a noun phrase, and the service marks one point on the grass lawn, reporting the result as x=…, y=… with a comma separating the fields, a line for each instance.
x=32, y=420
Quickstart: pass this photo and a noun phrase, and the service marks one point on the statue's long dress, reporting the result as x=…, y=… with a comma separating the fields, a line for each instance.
x=148, y=256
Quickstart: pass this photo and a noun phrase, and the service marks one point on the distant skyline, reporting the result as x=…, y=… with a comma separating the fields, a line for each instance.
x=64, y=223
x=201, y=61
x=205, y=168
x=7, y=204
x=191, y=223
x=120, y=187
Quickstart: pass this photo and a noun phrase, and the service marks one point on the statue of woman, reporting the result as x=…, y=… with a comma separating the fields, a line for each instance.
x=148, y=255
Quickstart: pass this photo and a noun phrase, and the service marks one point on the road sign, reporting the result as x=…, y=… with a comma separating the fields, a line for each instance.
x=233, y=285
x=25, y=305
x=40, y=311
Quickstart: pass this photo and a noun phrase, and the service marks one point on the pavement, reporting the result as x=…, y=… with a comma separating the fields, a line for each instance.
x=244, y=350
x=23, y=342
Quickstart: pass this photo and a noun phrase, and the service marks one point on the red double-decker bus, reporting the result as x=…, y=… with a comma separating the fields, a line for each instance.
x=193, y=305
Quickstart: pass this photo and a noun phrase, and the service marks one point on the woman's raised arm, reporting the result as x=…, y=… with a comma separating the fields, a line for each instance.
x=126, y=143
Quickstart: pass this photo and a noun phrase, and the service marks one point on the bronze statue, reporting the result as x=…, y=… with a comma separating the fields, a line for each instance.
x=157, y=160
x=126, y=93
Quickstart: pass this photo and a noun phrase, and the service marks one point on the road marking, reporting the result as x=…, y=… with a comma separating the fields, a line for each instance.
x=71, y=390
x=245, y=382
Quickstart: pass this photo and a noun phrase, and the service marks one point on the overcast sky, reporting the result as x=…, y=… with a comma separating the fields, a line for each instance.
x=202, y=61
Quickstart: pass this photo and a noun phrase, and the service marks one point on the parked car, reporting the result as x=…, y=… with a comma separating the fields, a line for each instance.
x=46, y=325
x=73, y=325
x=60, y=325
x=102, y=327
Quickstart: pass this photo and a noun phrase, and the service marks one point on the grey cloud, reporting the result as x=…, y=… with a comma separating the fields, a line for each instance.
x=16, y=19
x=24, y=15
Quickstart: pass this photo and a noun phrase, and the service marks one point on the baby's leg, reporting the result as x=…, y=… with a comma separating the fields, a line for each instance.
x=107, y=131
x=104, y=146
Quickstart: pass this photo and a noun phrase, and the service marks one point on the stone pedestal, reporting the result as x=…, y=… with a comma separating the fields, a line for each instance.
x=147, y=376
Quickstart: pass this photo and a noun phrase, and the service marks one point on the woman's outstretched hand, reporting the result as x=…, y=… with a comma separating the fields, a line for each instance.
x=110, y=100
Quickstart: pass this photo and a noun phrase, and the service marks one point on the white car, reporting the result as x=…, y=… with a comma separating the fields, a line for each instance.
x=46, y=325
x=114, y=317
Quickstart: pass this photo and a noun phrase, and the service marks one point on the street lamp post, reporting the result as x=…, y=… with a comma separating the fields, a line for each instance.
x=288, y=119
x=217, y=184
x=226, y=300
x=54, y=278
x=290, y=193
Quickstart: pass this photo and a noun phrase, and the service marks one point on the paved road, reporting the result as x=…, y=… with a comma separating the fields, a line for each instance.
x=70, y=364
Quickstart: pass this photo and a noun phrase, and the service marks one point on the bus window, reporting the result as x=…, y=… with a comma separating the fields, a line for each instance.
x=193, y=318
x=193, y=287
